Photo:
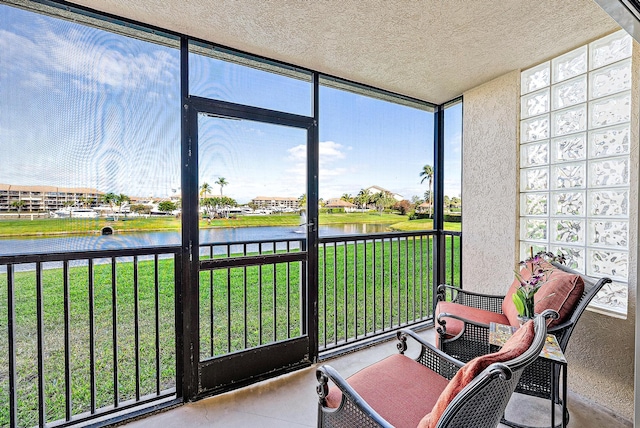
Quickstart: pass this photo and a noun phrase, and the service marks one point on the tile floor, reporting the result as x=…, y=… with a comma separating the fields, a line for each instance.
x=290, y=401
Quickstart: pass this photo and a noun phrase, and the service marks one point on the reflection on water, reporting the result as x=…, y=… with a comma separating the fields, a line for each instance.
x=160, y=239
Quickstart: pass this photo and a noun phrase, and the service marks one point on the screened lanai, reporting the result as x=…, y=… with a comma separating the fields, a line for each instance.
x=163, y=230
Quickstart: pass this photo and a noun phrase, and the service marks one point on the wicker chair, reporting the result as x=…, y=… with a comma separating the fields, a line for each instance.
x=473, y=338
x=399, y=391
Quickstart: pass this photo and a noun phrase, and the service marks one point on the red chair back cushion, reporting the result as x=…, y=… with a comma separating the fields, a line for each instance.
x=508, y=307
x=561, y=293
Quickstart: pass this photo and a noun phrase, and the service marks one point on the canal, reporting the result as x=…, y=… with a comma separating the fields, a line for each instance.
x=73, y=243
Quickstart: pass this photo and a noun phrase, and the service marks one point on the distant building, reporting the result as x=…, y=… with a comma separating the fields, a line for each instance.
x=423, y=207
x=46, y=198
x=377, y=189
x=339, y=203
x=275, y=202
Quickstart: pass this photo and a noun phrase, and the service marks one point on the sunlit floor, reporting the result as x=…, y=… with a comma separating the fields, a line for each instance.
x=291, y=401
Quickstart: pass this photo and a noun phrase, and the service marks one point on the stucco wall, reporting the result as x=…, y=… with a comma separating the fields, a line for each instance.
x=489, y=190
x=601, y=350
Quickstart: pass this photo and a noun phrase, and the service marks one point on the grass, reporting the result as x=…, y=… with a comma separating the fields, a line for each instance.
x=79, y=226
x=245, y=307
x=367, y=288
x=423, y=224
x=362, y=289
x=25, y=227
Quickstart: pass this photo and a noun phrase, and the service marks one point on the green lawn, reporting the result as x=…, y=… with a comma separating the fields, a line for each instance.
x=423, y=224
x=79, y=226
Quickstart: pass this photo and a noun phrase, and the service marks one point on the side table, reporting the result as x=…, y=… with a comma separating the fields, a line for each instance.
x=554, y=358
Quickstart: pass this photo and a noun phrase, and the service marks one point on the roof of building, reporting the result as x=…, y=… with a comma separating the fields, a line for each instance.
x=45, y=189
x=381, y=189
x=273, y=198
x=339, y=203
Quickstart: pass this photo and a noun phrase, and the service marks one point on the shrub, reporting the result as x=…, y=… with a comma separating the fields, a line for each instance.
x=403, y=206
x=453, y=218
x=418, y=216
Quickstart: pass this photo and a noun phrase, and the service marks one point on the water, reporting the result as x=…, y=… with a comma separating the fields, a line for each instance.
x=160, y=239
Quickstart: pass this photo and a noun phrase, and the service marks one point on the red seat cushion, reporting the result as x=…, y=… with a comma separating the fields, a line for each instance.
x=515, y=346
x=455, y=326
x=400, y=389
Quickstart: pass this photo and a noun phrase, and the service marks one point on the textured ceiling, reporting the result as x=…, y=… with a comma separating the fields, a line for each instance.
x=433, y=50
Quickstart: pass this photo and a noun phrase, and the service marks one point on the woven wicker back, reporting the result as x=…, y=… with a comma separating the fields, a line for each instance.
x=482, y=402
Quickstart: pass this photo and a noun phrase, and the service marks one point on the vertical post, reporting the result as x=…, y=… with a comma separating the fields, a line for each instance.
x=42, y=414
x=92, y=335
x=11, y=337
x=156, y=299
x=313, y=155
x=187, y=326
x=136, y=323
x=114, y=330
x=439, y=254
x=67, y=342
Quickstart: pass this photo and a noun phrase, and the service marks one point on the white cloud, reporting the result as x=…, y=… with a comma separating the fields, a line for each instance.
x=330, y=150
x=332, y=164
x=332, y=157
x=38, y=80
x=334, y=172
x=298, y=153
x=91, y=56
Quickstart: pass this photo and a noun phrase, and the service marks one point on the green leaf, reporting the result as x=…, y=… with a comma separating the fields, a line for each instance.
x=517, y=300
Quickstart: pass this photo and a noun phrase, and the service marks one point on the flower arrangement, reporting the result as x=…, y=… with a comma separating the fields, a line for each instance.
x=540, y=269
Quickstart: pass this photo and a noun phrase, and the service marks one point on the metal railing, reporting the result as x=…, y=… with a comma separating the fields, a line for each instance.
x=251, y=294
x=88, y=334
x=93, y=334
x=452, y=259
x=372, y=284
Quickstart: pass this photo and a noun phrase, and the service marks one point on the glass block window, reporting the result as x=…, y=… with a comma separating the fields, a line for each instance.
x=574, y=162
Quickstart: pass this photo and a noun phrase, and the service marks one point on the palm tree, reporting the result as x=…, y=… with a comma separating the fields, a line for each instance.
x=18, y=205
x=302, y=201
x=205, y=189
x=226, y=203
x=85, y=201
x=221, y=182
x=120, y=200
x=347, y=197
x=110, y=199
x=427, y=174
x=382, y=200
x=363, y=198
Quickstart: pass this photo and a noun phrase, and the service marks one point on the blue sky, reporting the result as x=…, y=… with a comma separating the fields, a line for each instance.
x=83, y=107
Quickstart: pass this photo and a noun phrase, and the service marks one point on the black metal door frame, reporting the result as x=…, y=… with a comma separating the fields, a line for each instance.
x=232, y=371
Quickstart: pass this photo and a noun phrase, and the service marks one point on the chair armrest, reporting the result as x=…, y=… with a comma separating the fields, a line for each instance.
x=430, y=356
x=559, y=328
x=490, y=302
x=562, y=332
x=472, y=331
x=443, y=322
x=472, y=340
x=347, y=414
